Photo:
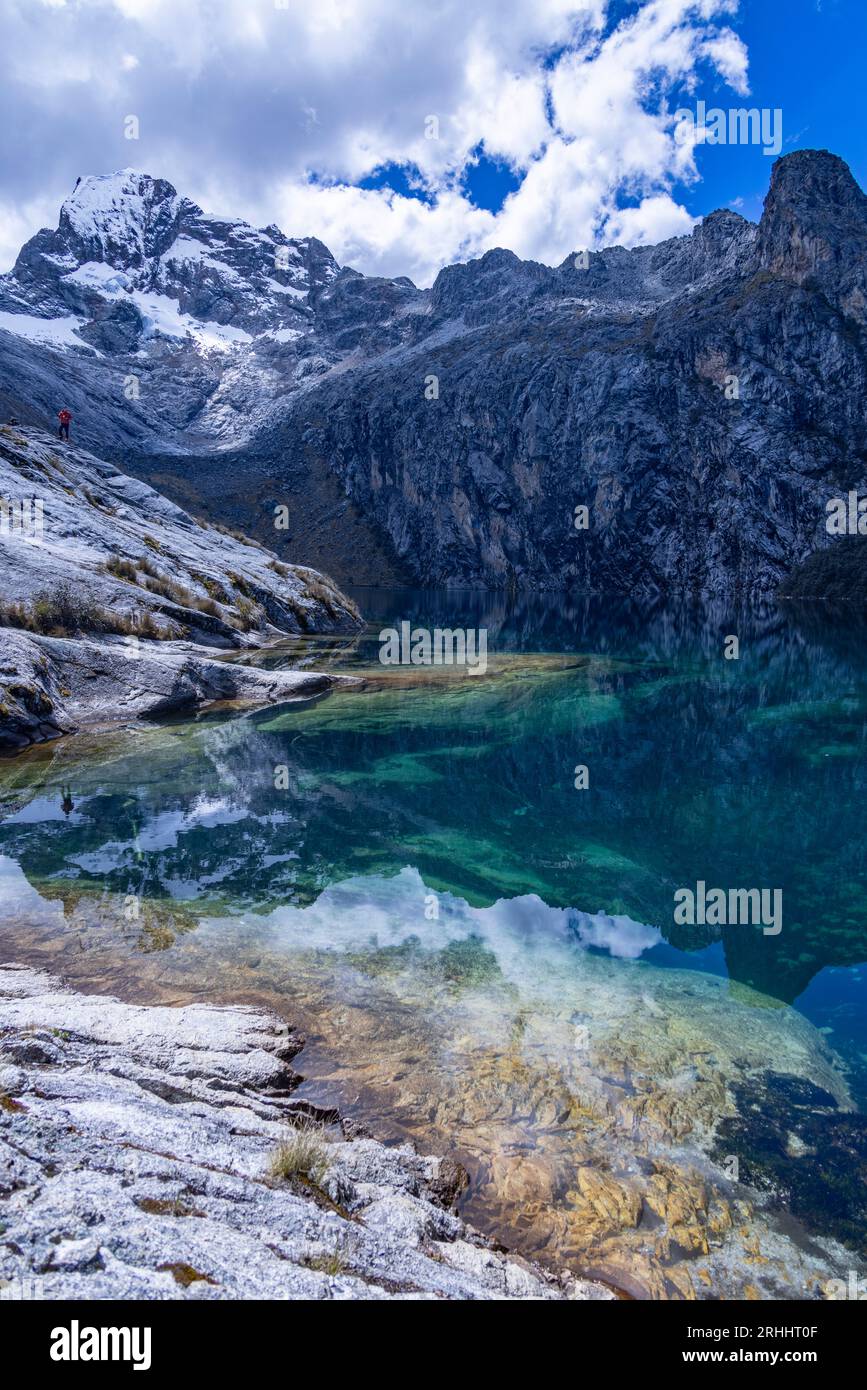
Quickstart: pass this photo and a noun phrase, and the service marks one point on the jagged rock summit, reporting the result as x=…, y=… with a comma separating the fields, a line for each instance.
x=126, y=243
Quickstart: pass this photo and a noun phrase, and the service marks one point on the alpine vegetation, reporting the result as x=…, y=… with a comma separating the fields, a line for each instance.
x=115, y=603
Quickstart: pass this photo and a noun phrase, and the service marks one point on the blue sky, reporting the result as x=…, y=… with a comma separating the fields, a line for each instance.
x=554, y=118
x=806, y=57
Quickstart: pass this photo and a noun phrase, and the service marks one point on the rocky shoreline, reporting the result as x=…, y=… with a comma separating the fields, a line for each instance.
x=152, y=1153
x=53, y=686
x=116, y=604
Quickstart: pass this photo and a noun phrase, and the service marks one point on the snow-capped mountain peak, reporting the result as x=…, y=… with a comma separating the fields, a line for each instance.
x=124, y=218
x=132, y=260
x=180, y=322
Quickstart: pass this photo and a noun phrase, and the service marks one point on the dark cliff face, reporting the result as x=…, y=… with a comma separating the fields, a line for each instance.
x=814, y=226
x=702, y=399
x=612, y=388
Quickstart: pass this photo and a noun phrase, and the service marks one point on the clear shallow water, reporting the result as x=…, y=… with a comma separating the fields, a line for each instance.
x=482, y=955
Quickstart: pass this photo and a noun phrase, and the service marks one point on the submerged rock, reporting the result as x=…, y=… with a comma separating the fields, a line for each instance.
x=794, y=1142
x=137, y=1161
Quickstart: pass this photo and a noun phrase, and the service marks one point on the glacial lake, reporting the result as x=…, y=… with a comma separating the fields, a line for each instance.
x=483, y=956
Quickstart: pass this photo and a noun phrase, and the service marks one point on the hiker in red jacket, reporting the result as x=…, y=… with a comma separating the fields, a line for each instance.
x=65, y=421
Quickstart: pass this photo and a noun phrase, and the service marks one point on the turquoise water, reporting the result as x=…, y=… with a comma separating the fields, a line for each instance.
x=740, y=773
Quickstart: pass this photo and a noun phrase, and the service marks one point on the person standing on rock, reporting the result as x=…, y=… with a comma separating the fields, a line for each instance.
x=65, y=418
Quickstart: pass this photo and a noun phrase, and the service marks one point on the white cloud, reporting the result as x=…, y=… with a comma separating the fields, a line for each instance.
x=275, y=114
x=18, y=222
x=384, y=233
x=654, y=219
x=728, y=54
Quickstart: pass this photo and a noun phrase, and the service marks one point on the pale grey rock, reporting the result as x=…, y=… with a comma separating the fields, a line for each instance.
x=69, y=521
x=51, y=686
x=134, y=1164
x=67, y=516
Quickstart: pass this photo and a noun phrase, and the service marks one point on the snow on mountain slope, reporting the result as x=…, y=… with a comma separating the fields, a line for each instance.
x=173, y=331
x=127, y=237
x=194, y=322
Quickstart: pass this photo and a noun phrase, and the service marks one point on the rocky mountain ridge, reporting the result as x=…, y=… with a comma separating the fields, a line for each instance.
x=702, y=398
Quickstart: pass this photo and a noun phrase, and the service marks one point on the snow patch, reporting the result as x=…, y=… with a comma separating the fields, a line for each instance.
x=58, y=332
x=277, y=288
x=188, y=249
x=109, y=208
x=97, y=275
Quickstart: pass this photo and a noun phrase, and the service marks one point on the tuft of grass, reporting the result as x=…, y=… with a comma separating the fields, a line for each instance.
x=148, y=627
x=207, y=605
x=302, y=1154
x=121, y=569
x=64, y=612
x=152, y=544
x=100, y=503
x=58, y=611
x=213, y=587
x=323, y=588
x=14, y=615
x=248, y=614
x=235, y=534
x=240, y=584
x=167, y=588
x=333, y=1263
x=185, y=1274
